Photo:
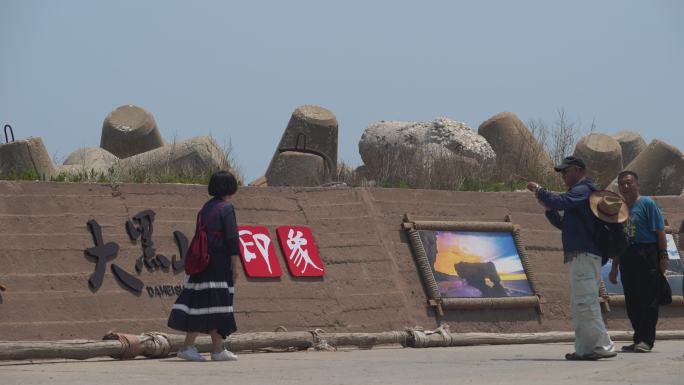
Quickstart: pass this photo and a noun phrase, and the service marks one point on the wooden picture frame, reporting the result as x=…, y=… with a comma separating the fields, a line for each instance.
x=512, y=287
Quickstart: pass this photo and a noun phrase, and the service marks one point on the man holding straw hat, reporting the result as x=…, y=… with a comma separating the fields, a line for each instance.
x=577, y=227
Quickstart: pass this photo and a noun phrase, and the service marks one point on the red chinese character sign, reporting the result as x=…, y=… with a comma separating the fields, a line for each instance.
x=257, y=252
x=300, y=251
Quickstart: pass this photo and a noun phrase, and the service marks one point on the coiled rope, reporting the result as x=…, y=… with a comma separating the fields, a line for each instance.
x=149, y=344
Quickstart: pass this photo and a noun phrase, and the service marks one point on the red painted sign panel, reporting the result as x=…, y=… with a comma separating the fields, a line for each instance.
x=300, y=251
x=257, y=252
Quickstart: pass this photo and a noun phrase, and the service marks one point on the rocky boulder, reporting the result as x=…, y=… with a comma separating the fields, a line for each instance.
x=440, y=137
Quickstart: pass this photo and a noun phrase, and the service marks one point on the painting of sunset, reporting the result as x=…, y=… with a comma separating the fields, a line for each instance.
x=475, y=264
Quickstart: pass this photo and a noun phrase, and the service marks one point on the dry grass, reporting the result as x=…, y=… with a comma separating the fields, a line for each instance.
x=413, y=168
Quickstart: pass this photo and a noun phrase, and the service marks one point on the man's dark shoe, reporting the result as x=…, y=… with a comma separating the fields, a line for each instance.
x=628, y=348
x=589, y=357
x=642, y=347
x=576, y=357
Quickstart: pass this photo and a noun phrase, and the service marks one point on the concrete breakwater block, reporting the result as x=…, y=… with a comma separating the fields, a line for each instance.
x=660, y=167
x=603, y=156
x=130, y=130
x=311, y=130
x=194, y=156
x=25, y=156
x=89, y=160
x=292, y=168
x=517, y=151
x=631, y=143
x=259, y=182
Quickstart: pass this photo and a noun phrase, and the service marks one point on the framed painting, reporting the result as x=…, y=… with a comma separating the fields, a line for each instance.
x=472, y=265
x=674, y=273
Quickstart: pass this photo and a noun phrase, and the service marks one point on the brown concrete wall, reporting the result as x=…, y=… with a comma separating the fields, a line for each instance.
x=371, y=281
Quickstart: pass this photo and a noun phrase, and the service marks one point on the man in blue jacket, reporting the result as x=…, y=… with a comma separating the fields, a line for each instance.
x=577, y=228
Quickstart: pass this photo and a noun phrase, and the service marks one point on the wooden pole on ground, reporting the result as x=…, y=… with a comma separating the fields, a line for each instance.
x=83, y=349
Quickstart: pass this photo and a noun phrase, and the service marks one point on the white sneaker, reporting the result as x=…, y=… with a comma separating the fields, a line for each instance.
x=225, y=355
x=191, y=354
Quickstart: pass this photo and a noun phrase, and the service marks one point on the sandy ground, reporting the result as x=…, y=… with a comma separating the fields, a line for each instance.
x=511, y=364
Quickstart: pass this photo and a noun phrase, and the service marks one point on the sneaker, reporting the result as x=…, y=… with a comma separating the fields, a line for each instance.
x=642, y=347
x=608, y=354
x=628, y=348
x=191, y=354
x=224, y=355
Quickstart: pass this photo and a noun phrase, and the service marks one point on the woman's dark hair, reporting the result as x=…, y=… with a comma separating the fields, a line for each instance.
x=222, y=183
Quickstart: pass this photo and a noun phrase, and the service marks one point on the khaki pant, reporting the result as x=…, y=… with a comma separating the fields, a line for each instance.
x=591, y=335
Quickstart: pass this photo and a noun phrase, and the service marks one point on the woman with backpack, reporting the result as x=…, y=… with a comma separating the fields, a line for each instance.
x=206, y=303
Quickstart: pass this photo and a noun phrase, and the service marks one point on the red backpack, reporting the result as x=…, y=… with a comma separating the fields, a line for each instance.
x=197, y=256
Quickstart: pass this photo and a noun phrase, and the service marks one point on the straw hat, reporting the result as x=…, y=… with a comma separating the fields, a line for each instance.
x=608, y=206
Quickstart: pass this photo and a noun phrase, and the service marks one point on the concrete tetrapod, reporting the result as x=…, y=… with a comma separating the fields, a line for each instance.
x=517, y=151
x=603, y=156
x=660, y=167
x=25, y=156
x=311, y=130
x=130, y=130
x=631, y=143
x=89, y=161
x=190, y=157
x=292, y=168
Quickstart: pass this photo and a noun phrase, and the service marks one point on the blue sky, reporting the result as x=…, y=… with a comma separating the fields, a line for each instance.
x=237, y=70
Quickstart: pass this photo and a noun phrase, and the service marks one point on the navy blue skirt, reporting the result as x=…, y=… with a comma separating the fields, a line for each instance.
x=206, y=302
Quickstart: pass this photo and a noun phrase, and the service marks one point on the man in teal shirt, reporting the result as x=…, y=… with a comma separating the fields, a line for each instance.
x=642, y=264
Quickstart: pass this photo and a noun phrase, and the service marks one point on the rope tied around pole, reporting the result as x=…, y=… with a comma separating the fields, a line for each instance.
x=416, y=337
x=149, y=344
x=130, y=345
x=419, y=338
x=400, y=337
x=319, y=343
x=157, y=345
